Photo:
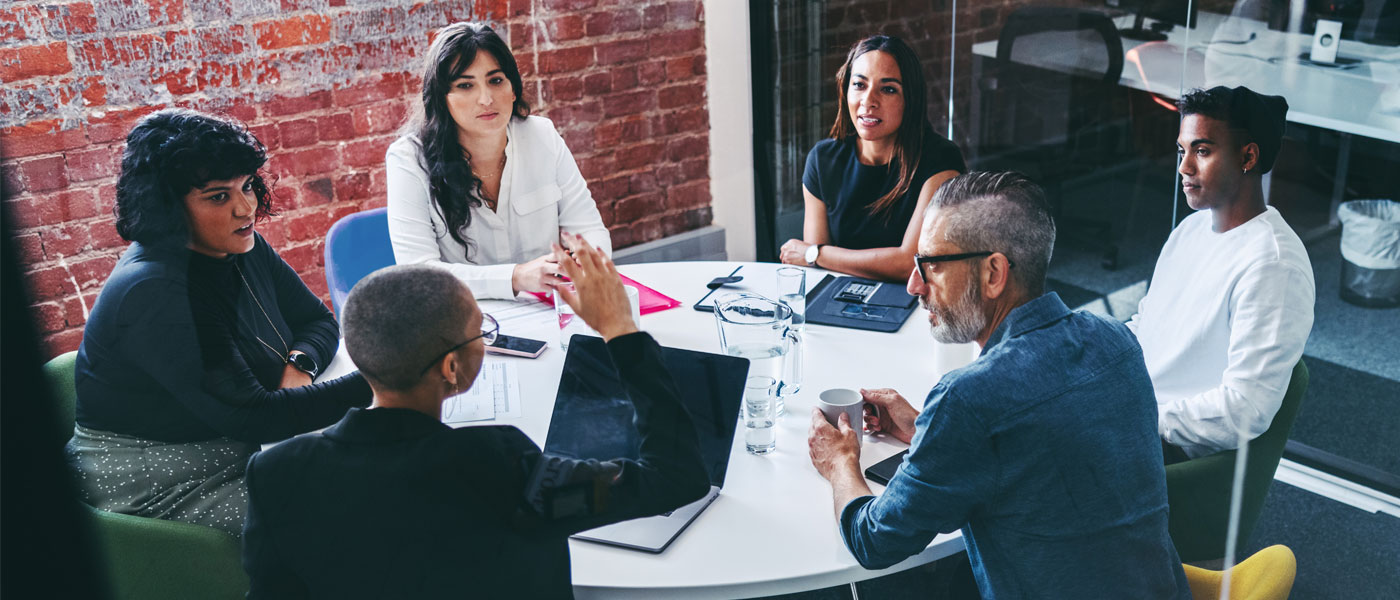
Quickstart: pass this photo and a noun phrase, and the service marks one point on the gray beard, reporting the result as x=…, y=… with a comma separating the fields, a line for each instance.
x=963, y=321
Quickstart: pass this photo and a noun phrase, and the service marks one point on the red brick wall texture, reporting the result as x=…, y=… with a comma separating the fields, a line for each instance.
x=325, y=84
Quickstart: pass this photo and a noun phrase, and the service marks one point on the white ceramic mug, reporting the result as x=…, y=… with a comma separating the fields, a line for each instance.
x=835, y=401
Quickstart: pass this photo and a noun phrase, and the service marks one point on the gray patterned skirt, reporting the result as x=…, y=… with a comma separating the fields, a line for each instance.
x=196, y=482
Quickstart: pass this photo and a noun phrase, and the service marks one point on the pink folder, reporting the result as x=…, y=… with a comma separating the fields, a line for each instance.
x=651, y=300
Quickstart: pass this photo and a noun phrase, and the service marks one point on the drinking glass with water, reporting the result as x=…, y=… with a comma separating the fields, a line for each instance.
x=792, y=292
x=760, y=431
x=753, y=327
x=569, y=322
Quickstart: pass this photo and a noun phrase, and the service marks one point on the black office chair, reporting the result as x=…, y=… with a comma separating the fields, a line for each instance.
x=1064, y=126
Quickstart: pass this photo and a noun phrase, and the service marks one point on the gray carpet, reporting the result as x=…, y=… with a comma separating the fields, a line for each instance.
x=1350, y=413
x=1343, y=552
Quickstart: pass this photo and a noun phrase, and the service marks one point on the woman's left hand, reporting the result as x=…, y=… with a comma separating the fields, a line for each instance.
x=538, y=275
x=794, y=252
x=294, y=377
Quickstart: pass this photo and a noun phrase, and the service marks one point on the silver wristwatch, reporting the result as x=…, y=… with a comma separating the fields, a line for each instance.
x=812, y=252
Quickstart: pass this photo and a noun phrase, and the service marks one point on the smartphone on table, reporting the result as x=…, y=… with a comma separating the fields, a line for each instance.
x=883, y=471
x=516, y=346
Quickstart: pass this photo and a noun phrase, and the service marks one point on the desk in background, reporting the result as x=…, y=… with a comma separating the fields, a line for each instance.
x=1362, y=100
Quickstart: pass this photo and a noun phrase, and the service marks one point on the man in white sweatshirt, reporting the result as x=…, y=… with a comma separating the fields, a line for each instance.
x=1230, y=305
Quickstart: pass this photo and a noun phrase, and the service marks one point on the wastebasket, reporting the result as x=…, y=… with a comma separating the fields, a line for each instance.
x=1370, y=252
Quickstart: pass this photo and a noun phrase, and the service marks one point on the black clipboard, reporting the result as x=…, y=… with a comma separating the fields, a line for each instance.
x=857, y=303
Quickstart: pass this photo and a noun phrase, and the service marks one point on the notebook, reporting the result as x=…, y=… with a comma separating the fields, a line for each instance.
x=651, y=300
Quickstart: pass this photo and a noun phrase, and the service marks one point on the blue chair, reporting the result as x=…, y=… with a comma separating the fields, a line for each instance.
x=356, y=245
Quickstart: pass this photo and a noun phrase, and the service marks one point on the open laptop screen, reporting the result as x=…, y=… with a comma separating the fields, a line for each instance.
x=593, y=415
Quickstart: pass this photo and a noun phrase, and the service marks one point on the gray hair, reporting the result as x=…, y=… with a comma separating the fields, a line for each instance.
x=398, y=318
x=1000, y=212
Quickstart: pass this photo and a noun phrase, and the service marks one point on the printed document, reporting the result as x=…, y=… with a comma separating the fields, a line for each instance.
x=495, y=394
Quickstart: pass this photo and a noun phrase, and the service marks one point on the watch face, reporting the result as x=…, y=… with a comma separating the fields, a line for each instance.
x=303, y=362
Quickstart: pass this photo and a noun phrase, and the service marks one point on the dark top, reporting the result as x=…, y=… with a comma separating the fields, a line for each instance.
x=171, y=351
x=1044, y=451
x=835, y=176
x=391, y=503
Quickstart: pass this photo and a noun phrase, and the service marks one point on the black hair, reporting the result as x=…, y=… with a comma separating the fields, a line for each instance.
x=1216, y=104
x=171, y=152
x=454, y=188
x=909, y=140
x=1252, y=118
x=392, y=346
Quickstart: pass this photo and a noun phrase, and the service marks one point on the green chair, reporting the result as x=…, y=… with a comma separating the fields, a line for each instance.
x=152, y=558
x=59, y=372
x=1198, y=491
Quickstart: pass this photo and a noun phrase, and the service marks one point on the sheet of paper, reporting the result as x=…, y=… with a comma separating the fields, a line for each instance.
x=494, y=394
x=520, y=312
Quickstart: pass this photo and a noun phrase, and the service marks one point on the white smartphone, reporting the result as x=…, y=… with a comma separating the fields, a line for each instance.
x=516, y=346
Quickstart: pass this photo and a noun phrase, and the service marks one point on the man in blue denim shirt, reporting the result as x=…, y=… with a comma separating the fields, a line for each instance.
x=1044, y=450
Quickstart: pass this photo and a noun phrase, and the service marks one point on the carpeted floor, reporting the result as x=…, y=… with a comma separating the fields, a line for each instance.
x=1343, y=552
x=1350, y=413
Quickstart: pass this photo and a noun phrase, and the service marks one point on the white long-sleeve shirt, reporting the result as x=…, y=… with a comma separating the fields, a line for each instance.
x=542, y=193
x=1223, y=323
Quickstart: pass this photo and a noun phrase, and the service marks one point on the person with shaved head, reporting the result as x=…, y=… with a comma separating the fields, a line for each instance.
x=390, y=502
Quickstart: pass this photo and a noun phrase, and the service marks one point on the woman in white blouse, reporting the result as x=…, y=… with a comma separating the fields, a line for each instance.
x=477, y=185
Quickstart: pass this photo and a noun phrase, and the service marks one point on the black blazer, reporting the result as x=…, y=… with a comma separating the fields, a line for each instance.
x=391, y=503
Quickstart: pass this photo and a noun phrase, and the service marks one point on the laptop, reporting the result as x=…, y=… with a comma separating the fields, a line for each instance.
x=593, y=418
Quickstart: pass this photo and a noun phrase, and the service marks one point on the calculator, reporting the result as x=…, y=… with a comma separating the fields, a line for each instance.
x=857, y=292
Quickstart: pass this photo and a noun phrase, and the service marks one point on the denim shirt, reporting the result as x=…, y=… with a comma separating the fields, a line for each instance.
x=1044, y=451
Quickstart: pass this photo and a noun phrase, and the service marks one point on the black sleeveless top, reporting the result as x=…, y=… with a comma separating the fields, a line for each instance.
x=835, y=176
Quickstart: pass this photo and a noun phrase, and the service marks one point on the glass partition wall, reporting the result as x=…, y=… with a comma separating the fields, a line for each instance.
x=1080, y=95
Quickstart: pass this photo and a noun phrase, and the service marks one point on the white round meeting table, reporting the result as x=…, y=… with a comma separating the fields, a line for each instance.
x=773, y=528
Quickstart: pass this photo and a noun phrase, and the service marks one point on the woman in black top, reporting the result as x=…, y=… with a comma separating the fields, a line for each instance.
x=203, y=343
x=867, y=186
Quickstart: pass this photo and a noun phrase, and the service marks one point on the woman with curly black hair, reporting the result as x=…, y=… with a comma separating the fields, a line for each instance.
x=203, y=343
x=477, y=185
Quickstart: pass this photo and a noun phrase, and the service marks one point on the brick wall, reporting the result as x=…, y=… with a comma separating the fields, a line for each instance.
x=325, y=84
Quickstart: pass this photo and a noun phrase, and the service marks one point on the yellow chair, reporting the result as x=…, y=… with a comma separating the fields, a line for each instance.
x=1268, y=575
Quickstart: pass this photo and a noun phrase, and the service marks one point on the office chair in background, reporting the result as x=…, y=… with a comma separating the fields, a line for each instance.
x=1063, y=130
x=1198, y=490
x=356, y=245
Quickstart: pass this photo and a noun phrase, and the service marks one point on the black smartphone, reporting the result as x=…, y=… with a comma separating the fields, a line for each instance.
x=882, y=472
x=516, y=346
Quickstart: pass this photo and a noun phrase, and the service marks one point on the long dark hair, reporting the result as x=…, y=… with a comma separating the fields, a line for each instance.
x=171, y=152
x=454, y=188
x=909, y=140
